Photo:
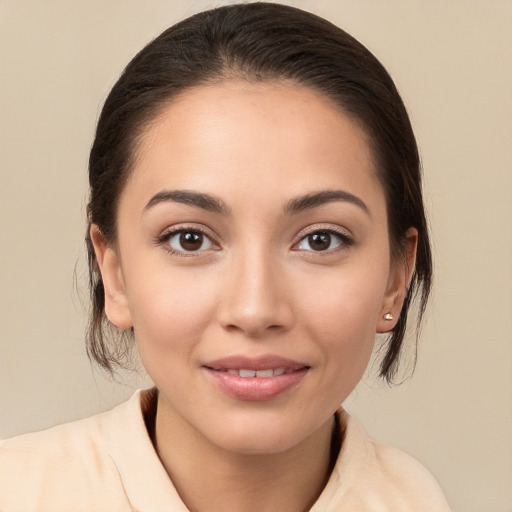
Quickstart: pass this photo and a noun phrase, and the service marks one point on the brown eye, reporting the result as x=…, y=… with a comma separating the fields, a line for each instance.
x=189, y=241
x=319, y=241
x=323, y=241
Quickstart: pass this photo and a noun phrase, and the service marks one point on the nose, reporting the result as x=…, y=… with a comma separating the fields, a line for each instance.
x=256, y=300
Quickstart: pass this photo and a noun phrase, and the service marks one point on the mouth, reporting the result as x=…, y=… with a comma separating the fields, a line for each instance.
x=261, y=374
x=258, y=379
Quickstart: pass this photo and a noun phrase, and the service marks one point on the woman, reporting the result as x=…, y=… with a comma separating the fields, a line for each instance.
x=255, y=219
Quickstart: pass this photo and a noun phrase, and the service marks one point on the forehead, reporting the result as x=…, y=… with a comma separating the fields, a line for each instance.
x=269, y=136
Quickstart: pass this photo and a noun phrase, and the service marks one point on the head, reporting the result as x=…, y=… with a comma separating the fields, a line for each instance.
x=258, y=44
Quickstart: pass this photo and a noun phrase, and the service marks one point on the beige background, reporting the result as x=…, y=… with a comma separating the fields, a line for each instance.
x=452, y=62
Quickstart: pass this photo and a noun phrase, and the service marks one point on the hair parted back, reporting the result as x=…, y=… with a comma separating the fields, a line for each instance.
x=256, y=42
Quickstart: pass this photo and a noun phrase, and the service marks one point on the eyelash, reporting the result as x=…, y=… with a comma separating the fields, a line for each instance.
x=164, y=239
x=345, y=240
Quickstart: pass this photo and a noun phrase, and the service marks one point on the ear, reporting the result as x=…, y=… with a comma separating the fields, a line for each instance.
x=116, y=303
x=399, y=280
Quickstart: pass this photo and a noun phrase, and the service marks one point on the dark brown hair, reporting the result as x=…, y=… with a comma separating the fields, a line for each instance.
x=257, y=42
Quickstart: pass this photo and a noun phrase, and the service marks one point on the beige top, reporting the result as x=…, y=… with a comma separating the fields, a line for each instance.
x=108, y=463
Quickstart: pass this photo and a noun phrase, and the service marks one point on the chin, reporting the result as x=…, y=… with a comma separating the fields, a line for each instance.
x=257, y=441
x=260, y=432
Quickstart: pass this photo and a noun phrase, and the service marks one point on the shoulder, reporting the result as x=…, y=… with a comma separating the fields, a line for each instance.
x=58, y=441
x=61, y=465
x=372, y=476
x=75, y=447
x=407, y=477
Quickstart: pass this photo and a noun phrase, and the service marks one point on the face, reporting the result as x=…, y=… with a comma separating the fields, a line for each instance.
x=253, y=262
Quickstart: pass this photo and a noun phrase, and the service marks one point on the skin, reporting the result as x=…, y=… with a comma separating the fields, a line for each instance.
x=257, y=289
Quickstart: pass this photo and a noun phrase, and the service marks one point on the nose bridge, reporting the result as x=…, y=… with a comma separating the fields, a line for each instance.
x=255, y=300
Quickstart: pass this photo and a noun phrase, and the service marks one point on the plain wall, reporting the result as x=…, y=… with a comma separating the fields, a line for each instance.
x=452, y=62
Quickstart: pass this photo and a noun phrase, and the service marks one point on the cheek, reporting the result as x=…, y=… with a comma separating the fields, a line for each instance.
x=169, y=314
x=342, y=317
x=347, y=301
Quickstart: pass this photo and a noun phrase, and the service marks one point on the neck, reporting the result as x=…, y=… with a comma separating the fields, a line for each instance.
x=209, y=478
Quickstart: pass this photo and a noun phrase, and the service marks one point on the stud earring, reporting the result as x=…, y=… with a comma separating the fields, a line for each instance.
x=388, y=316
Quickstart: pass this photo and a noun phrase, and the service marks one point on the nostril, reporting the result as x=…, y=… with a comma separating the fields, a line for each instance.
x=254, y=306
x=254, y=329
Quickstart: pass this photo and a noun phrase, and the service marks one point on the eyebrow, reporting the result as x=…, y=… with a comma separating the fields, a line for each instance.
x=216, y=205
x=200, y=200
x=313, y=200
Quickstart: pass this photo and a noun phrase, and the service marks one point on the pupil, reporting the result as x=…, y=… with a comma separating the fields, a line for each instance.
x=320, y=241
x=191, y=241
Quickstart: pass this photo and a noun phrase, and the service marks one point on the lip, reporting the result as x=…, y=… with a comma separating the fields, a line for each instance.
x=223, y=374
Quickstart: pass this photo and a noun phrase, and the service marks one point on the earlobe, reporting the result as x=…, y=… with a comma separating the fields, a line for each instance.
x=398, y=284
x=116, y=304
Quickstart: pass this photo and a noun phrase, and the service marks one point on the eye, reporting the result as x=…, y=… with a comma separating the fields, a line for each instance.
x=188, y=240
x=323, y=240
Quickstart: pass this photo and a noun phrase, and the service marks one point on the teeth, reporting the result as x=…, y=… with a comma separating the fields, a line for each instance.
x=269, y=372
x=247, y=373
x=265, y=373
x=258, y=373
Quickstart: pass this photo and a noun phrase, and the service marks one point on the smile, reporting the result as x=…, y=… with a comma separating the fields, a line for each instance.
x=257, y=373
x=257, y=379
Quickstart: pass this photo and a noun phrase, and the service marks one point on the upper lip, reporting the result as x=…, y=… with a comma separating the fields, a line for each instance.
x=265, y=362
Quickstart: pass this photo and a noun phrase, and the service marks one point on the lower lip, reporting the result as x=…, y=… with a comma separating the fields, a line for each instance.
x=255, y=389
